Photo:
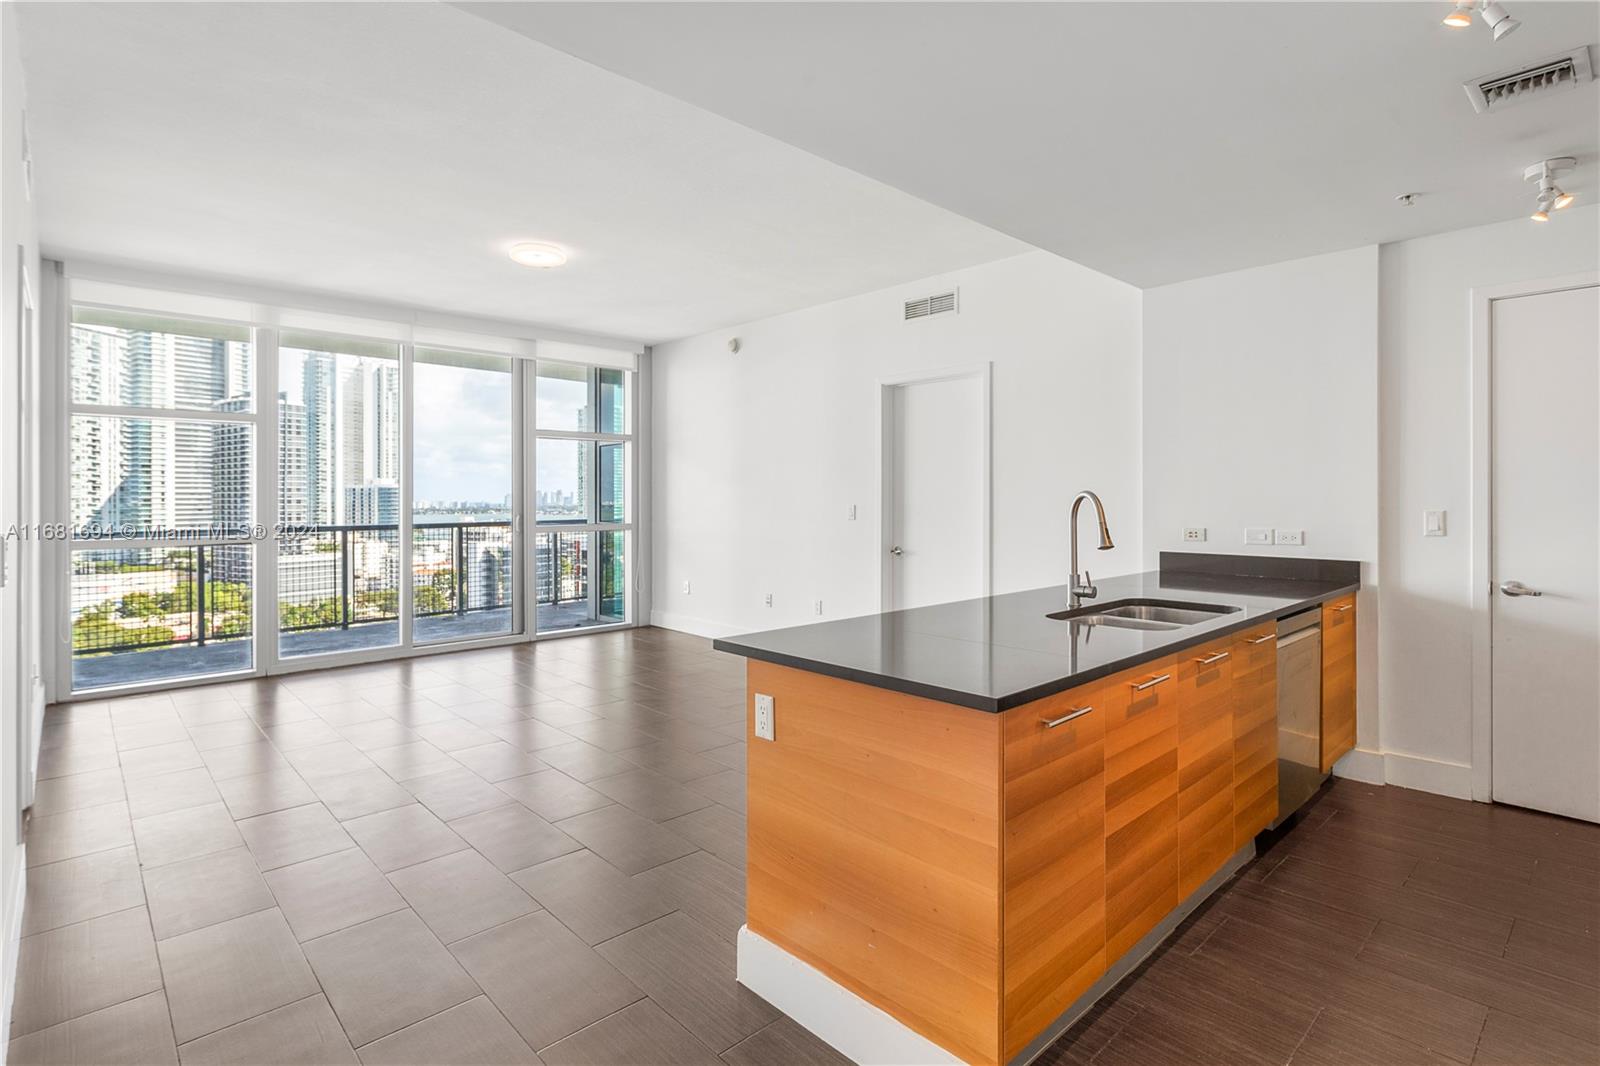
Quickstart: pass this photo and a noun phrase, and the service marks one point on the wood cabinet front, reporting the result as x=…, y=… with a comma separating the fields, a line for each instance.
x=1054, y=879
x=1338, y=679
x=1204, y=693
x=1141, y=803
x=1255, y=732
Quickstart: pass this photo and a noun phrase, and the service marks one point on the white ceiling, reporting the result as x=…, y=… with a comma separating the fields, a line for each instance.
x=1154, y=142
x=391, y=151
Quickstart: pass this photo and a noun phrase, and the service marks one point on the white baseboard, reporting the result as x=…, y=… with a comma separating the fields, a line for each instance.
x=1428, y=775
x=699, y=627
x=13, y=945
x=1407, y=771
x=837, y=1016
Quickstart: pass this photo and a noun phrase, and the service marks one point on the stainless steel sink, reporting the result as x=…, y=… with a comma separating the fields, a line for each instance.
x=1143, y=614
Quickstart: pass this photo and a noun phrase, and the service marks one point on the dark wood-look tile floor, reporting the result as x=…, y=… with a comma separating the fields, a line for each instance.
x=1387, y=927
x=536, y=854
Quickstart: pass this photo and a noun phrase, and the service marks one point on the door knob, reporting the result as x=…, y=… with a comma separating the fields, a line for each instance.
x=1517, y=588
x=896, y=550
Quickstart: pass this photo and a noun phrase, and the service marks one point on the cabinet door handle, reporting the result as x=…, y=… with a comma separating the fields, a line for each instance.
x=1344, y=607
x=1152, y=683
x=1051, y=723
x=1263, y=640
x=1217, y=658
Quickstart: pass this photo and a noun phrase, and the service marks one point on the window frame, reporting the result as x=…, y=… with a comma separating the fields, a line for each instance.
x=266, y=314
x=591, y=527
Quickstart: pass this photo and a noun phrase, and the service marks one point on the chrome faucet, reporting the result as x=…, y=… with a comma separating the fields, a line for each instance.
x=1085, y=587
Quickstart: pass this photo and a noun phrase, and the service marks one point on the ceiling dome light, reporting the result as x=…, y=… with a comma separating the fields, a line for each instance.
x=537, y=254
x=1462, y=15
x=1499, y=21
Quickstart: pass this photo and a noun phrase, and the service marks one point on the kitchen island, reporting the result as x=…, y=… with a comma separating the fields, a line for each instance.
x=972, y=819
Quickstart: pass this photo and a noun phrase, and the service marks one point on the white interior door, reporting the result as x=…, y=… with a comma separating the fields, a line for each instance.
x=1545, y=665
x=937, y=490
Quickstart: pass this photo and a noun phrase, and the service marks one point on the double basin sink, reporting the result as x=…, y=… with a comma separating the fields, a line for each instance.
x=1143, y=614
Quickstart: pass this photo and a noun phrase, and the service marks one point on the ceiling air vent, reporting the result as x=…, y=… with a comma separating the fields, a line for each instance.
x=931, y=305
x=1499, y=91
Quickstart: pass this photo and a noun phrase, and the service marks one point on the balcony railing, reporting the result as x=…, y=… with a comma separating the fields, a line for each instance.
x=329, y=577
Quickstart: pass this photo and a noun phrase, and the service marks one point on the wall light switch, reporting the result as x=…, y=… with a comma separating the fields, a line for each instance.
x=686, y=588
x=852, y=512
x=1289, y=536
x=1257, y=535
x=1433, y=524
x=764, y=716
x=769, y=599
x=819, y=606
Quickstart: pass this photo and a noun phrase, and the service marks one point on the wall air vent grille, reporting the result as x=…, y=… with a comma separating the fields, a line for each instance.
x=931, y=305
x=1499, y=91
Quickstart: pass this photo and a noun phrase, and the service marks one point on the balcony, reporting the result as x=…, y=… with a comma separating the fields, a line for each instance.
x=143, y=615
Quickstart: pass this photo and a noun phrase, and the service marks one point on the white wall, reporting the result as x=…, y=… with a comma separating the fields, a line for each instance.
x=1261, y=409
x=1426, y=396
x=16, y=233
x=757, y=457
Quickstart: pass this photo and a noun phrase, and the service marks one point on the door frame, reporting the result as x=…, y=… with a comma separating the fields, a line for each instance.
x=984, y=372
x=1481, y=301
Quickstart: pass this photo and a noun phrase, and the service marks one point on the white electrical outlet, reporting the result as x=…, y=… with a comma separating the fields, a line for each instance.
x=769, y=599
x=1257, y=535
x=819, y=606
x=1289, y=536
x=1194, y=533
x=686, y=588
x=764, y=716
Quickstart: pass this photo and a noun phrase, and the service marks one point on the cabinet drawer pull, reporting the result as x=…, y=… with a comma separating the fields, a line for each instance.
x=1051, y=723
x=1152, y=683
x=1344, y=607
x=1263, y=640
x=1217, y=658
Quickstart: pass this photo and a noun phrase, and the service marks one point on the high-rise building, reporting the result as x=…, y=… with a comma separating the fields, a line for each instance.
x=293, y=477
x=317, y=394
x=373, y=504
x=232, y=463
x=386, y=422
x=149, y=472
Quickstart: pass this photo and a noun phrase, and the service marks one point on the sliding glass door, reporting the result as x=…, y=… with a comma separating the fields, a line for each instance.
x=583, y=463
x=464, y=477
x=339, y=558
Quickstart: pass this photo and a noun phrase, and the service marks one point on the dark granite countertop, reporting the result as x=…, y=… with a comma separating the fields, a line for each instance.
x=1000, y=652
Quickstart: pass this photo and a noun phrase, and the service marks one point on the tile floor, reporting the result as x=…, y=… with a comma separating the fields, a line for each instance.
x=502, y=856
x=536, y=854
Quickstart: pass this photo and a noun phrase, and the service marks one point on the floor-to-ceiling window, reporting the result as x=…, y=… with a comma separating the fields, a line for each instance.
x=161, y=453
x=339, y=502
x=464, y=478
x=340, y=496
x=583, y=457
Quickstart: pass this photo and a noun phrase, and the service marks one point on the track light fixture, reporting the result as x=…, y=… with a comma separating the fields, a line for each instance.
x=1461, y=17
x=1551, y=198
x=1494, y=16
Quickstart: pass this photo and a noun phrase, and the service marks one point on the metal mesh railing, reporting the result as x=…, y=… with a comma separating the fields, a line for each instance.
x=461, y=567
x=338, y=576
x=562, y=567
x=133, y=599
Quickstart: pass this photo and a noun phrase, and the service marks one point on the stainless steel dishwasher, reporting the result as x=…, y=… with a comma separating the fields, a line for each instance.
x=1299, y=711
